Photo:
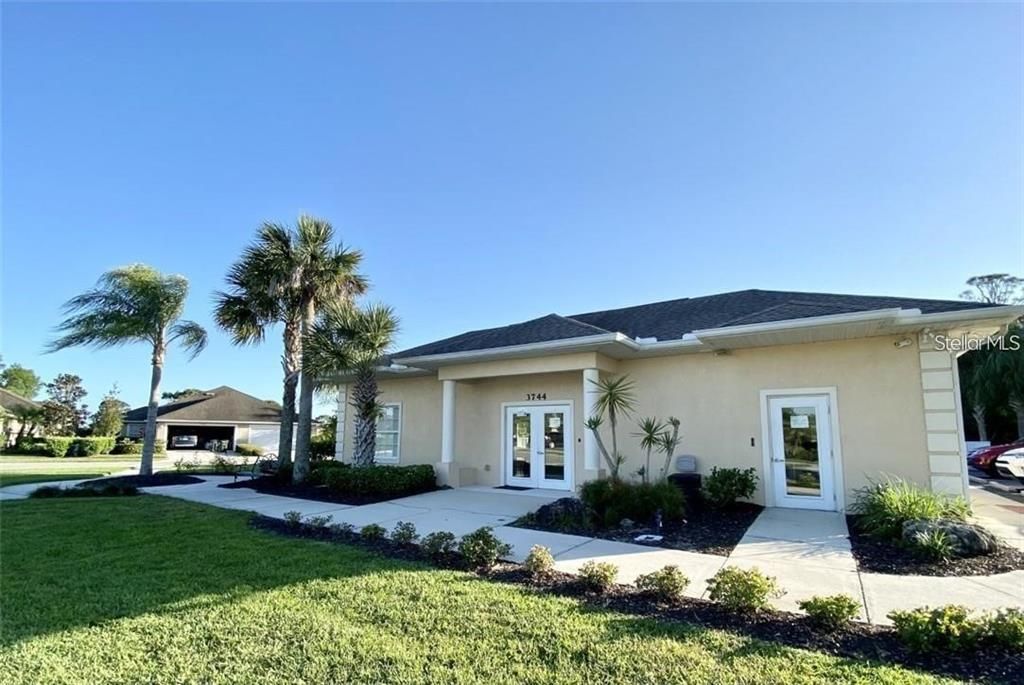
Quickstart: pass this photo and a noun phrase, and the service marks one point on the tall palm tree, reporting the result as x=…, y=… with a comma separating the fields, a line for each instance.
x=285, y=276
x=615, y=397
x=132, y=304
x=346, y=339
x=650, y=437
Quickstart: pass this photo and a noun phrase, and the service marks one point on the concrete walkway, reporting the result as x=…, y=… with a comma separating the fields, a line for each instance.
x=807, y=551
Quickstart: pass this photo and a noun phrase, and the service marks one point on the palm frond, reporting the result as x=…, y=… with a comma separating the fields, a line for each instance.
x=190, y=335
x=615, y=395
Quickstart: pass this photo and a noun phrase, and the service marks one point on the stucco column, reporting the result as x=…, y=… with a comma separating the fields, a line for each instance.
x=944, y=423
x=339, y=436
x=591, y=456
x=447, y=470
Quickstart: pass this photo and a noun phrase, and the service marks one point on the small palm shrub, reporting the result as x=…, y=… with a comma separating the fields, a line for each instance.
x=610, y=501
x=934, y=545
x=598, y=576
x=372, y=531
x=405, y=533
x=293, y=518
x=438, y=545
x=743, y=590
x=885, y=507
x=945, y=629
x=319, y=521
x=830, y=612
x=1006, y=629
x=539, y=562
x=482, y=548
x=667, y=584
x=723, y=487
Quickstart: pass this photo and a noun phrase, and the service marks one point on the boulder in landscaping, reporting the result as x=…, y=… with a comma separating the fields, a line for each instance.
x=967, y=539
x=561, y=513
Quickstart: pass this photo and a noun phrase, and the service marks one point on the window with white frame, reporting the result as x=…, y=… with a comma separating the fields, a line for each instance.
x=389, y=433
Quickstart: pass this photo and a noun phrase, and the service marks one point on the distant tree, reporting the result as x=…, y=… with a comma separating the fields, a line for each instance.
x=995, y=289
x=21, y=381
x=1004, y=369
x=177, y=394
x=133, y=304
x=28, y=418
x=64, y=413
x=109, y=416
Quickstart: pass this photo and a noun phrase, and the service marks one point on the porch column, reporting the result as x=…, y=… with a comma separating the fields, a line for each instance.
x=591, y=455
x=943, y=416
x=339, y=436
x=447, y=470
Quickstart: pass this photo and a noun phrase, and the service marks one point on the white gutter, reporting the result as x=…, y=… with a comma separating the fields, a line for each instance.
x=562, y=345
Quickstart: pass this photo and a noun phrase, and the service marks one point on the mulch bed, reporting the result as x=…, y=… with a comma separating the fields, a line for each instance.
x=705, y=531
x=156, y=480
x=875, y=555
x=856, y=640
x=317, y=493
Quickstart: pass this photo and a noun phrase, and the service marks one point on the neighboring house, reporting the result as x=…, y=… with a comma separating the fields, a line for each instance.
x=820, y=393
x=219, y=414
x=10, y=406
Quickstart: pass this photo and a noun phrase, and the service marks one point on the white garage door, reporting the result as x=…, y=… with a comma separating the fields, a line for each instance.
x=266, y=437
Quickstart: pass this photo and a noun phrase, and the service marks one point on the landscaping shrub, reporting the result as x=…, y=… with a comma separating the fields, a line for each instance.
x=948, y=628
x=438, y=545
x=319, y=471
x=90, y=447
x=482, y=549
x=723, y=487
x=222, y=464
x=372, y=532
x=293, y=518
x=129, y=446
x=539, y=563
x=343, y=529
x=830, y=612
x=1005, y=628
x=598, y=576
x=246, y=449
x=56, y=446
x=933, y=545
x=405, y=533
x=667, y=584
x=321, y=448
x=743, y=590
x=610, y=501
x=185, y=465
x=319, y=521
x=109, y=490
x=885, y=507
x=394, y=481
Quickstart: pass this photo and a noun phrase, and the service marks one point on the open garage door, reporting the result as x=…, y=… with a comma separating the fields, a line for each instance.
x=199, y=437
x=266, y=437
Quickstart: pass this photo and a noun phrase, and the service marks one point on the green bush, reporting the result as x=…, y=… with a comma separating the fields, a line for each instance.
x=598, y=576
x=319, y=521
x=89, y=447
x=723, y=487
x=372, y=532
x=539, y=563
x=945, y=629
x=85, y=490
x=934, y=545
x=186, y=465
x=830, y=612
x=293, y=518
x=129, y=446
x=438, y=545
x=404, y=533
x=393, y=481
x=246, y=449
x=885, y=507
x=1005, y=628
x=346, y=529
x=57, y=446
x=610, y=501
x=321, y=448
x=482, y=549
x=667, y=584
x=743, y=590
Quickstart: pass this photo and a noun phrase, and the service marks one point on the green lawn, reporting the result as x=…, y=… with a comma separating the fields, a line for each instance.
x=149, y=589
x=16, y=469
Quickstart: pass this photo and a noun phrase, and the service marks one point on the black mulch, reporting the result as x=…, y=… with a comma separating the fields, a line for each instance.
x=318, y=493
x=156, y=480
x=856, y=640
x=876, y=555
x=706, y=531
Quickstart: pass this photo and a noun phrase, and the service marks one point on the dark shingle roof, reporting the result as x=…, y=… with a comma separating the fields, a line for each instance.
x=12, y=401
x=219, y=404
x=673, y=319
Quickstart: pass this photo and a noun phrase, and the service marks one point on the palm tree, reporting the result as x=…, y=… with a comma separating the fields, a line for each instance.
x=650, y=437
x=346, y=339
x=615, y=397
x=28, y=417
x=131, y=304
x=284, y=277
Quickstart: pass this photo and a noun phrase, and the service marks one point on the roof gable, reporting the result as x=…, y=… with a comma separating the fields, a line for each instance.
x=219, y=404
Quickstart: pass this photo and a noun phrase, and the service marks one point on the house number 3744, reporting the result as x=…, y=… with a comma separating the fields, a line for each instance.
x=531, y=396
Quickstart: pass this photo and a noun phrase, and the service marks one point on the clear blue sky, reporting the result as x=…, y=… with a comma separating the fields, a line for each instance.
x=497, y=163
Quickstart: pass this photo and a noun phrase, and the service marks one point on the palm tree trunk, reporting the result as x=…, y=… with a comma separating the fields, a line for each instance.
x=149, y=441
x=307, y=385
x=612, y=419
x=292, y=362
x=978, y=412
x=365, y=392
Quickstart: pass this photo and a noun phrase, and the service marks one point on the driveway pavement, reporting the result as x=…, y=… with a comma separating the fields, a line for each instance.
x=1000, y=512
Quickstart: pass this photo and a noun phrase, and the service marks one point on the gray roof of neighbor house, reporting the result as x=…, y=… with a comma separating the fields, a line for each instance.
x=673, y=319
x=12, y=401
x=219, y=404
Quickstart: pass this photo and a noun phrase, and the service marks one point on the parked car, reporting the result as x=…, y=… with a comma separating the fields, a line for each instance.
x=1011, y=464
x=985, y=458
x=184, y=441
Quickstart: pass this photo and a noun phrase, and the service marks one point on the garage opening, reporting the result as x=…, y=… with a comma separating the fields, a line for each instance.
x=211, y=438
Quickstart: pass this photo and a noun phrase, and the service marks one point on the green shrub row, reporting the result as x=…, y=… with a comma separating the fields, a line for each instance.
x=376, y=480
x=609, y=501
x=66, y=446
x=951, y=628
x=129, y=446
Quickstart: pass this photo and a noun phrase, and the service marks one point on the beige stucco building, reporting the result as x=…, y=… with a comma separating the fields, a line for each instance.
x=820, y=394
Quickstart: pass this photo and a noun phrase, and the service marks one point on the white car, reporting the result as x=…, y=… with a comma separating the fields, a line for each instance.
x=1011, y=464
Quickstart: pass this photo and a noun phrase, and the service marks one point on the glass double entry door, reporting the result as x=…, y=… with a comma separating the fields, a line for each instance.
x=538, y=446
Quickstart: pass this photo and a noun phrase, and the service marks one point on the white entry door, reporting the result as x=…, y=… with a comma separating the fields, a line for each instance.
x=802, y=464
x=538, y=446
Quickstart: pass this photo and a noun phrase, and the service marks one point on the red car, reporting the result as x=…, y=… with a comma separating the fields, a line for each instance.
x=985, y=458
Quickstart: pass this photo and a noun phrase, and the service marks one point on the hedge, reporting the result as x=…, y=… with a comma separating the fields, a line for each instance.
x=398, y=481
x=124, y=446
x=66, y=446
